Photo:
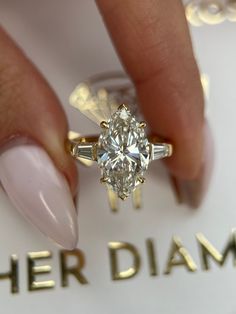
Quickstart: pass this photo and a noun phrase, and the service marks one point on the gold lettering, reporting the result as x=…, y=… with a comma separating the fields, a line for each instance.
x=151, y=257
x=116, y=274
x=34, y=270
x=184, y=258
x=75, y=270
x=207, y=249
x=12, y=274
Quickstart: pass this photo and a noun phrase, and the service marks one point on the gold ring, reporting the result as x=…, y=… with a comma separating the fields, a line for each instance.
x=123, y=151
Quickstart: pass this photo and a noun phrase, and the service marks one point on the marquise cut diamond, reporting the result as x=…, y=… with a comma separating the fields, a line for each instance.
x=123, y=152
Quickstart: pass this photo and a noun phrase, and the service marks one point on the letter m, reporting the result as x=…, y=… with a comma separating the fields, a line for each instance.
x=207, y=250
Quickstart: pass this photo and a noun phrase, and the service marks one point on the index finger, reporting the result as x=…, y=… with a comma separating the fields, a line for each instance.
x=153, y=42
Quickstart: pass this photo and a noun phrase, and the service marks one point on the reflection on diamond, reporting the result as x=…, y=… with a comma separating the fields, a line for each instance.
x=95, y=106
x=123, y=153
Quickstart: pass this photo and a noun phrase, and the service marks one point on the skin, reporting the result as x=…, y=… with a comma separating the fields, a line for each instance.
x=33, y=112
x=156, y=52
x=166, y=78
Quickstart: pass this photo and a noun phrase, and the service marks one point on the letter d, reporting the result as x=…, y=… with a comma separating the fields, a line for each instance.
x=116, y=273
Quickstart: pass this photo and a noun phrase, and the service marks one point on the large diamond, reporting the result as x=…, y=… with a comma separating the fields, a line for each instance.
x=123, y=152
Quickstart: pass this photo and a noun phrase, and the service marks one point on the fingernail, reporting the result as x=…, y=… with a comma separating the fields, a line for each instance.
x=40, y=192
x=192, y=192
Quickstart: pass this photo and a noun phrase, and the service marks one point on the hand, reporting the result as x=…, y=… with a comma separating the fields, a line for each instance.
x=153, y=42
x=154, y=45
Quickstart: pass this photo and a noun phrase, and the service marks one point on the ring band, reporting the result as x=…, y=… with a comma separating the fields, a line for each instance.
x=122, y=150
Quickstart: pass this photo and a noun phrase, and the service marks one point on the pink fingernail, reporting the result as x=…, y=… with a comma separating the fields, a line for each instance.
x=40, y=192
x=192, y=192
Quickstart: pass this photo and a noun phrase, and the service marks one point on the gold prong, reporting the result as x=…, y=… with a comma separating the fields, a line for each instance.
x=95, y=148
x=103, y=180
x=104, y=125
x=123, y=106
x=142, y=124
x=141, y=179
x=170, y=150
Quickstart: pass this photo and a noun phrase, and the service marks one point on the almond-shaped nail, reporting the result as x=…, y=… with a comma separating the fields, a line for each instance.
x=192, y=192
x=40, y=192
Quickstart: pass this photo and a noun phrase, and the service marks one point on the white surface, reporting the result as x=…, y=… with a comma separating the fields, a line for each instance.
x=68, y=42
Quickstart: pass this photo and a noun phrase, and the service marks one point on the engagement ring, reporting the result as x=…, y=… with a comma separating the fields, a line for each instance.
x=122, y=150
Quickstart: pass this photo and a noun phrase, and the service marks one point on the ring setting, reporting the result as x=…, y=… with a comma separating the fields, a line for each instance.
x=122, y=151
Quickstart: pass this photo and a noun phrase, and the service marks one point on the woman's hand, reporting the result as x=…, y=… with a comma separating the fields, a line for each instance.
x=153, y=42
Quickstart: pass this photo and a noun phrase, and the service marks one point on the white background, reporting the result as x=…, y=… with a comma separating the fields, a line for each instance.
x=68, y=42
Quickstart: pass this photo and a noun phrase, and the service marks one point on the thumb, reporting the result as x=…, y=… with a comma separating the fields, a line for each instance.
x=35, y=170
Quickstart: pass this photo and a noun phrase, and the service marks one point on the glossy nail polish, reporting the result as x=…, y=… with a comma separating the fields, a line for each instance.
x=40, y=192
x=192, y=192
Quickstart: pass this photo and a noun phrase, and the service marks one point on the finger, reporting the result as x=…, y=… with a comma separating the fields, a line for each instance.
x=153, y=41
x=192, y=192
x=35, y=170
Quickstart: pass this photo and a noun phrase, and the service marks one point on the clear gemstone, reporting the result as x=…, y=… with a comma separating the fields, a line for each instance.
x=84, y=150
x=160, y=150
x=123, y=152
